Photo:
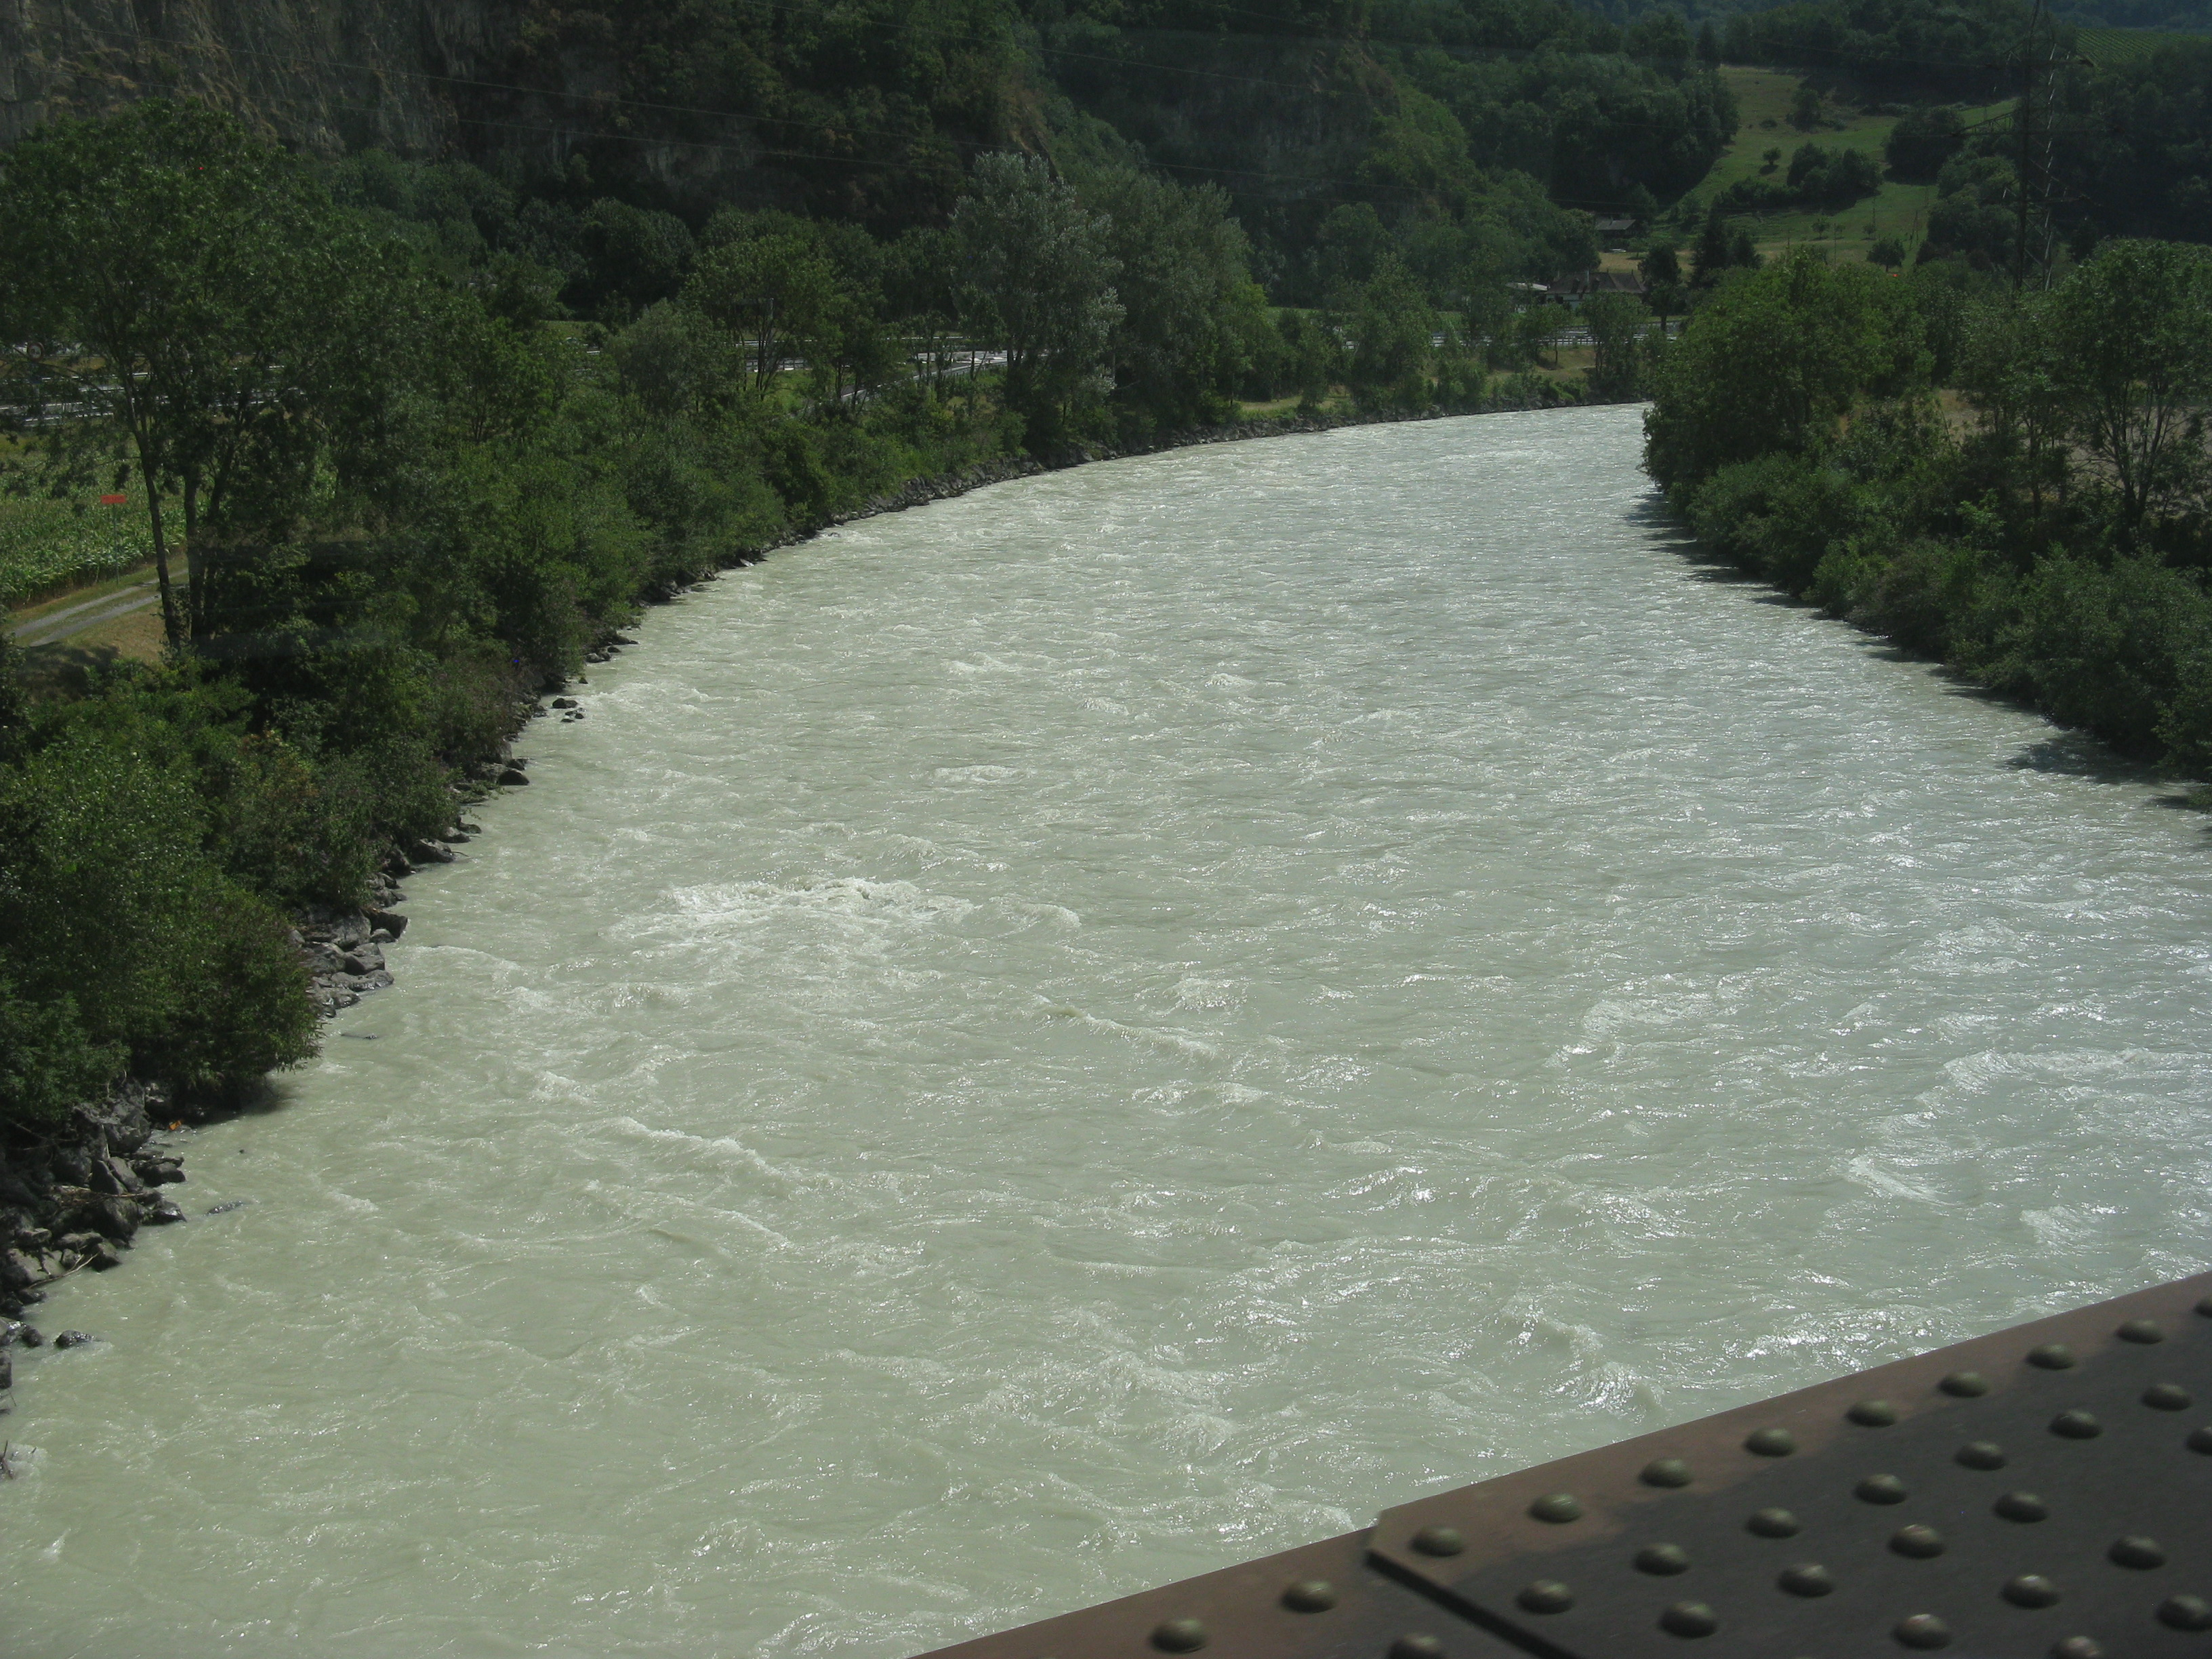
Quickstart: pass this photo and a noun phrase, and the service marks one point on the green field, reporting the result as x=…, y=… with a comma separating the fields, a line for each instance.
x=1763, y=98
x=2103, y=46
x=46, y=546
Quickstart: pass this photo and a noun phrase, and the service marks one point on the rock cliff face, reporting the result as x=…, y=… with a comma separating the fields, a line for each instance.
x=688, y=103
x=325, y=77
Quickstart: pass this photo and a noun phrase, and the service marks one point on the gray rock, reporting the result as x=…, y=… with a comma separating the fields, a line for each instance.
x=512, y=777
x=71, y=1340
x=564, y=703
x=157, y=1170
x=362, y=959
x=429, y=852
x=117, y=1218
x=159, y=1211
x=16, y=1270
x=113, y=1176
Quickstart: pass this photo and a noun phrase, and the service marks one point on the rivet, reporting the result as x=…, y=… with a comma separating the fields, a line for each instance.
x=2030, y=1589
x=1980, y=1455
x=1923, y=1630
x=1872, y=1414
x=2200, y=1440
x=1665, y=1472
x=2166, y=1397
x=2076, y=1425
x=2078, y=1647
x=1417, y=1644
x=1770, y=1442
x=2022, y=1506
x=1880, y=1489
x=1311, y=1596
x=1557, y=1507
x=2185, y=1613
x=1965, y=1385
x=1546, y=1595
x=2137, y=1551
x=1439, y=1540
x=2052, y=1357
x=1920, y=1543
x=1806, y=1578
x=2141, y=1330
x=1689, y=1619
x=1179, y=1635
x=1775, y=1523
x=1662, y=1560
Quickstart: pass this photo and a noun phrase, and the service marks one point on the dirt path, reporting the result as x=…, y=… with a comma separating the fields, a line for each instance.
x=87, y=613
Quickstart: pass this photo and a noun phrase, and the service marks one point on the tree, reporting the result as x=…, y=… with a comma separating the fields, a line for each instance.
x=1038, y=283
x=1805, y=108
x=172, y=277
x=1616, y=323
x=1716, y=250
x=767, y=293
x=1187, y=297
x=2130, y=343
x=1921, y=142
x=1772, y=361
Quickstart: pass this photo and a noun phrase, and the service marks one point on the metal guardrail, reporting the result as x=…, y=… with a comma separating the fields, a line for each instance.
x=2042, y=1493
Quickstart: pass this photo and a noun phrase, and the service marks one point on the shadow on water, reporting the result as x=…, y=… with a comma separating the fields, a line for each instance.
x=1654, y=517
x=2064, y=753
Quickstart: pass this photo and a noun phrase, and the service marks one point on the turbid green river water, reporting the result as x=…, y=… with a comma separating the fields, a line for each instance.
x=1040, y=1045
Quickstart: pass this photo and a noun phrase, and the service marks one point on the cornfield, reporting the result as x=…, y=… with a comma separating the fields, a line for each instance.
x=47, y=545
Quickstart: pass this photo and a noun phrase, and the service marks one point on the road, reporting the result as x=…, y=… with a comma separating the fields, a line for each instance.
x=89, y=613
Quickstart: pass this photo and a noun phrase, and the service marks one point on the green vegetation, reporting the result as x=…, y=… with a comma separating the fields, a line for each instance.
x=47, y=545
x=2051, y=543
x=392, y=495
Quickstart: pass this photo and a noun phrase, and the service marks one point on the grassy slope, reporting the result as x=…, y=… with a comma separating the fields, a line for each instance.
x=1763, y=97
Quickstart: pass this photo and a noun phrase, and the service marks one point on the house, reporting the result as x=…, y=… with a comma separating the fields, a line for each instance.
x=1578, y=286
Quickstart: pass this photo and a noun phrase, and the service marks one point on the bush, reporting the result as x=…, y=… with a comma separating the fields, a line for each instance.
x=122, y=941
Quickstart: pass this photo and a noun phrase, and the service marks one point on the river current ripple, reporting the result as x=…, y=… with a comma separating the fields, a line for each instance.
x=1047, y=1043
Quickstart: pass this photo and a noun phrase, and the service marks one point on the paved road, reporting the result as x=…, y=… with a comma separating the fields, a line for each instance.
x=90, y=613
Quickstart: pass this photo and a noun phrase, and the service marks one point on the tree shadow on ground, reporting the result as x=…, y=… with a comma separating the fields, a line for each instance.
x=65, y=669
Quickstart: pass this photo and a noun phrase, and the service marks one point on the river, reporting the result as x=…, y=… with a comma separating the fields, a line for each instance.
x=1049, y=1042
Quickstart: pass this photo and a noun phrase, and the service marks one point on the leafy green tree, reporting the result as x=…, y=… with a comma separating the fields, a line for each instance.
x=1805, y=108
x=768, y=294
x=1772, y=362
x=1039, y=282
x=1616, y=323
x=1922, y=141
x=120, y=944
x=174, y=279
x=1188, y=303
x=2131, y=340
x=1392, y=328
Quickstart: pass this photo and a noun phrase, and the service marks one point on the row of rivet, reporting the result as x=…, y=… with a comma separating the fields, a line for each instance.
x=2023, y=1506
x=2031, y=1590
x=1559, y=1507
x=1306, y=1595
x=1917, y=1543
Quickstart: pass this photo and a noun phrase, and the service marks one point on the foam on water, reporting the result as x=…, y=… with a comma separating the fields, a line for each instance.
x=1054, y=1041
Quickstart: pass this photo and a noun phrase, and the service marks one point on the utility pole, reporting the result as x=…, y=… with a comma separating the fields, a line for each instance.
x=2026, y=132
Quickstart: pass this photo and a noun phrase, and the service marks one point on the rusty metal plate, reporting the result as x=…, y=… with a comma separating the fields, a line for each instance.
x=2046, y=1492
x=1323, y=1601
